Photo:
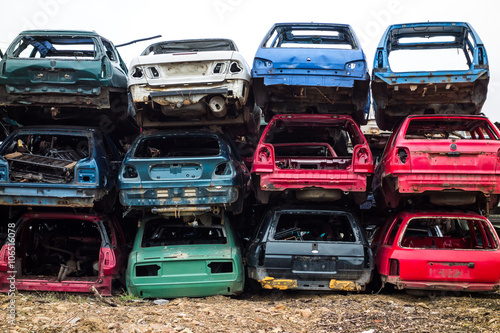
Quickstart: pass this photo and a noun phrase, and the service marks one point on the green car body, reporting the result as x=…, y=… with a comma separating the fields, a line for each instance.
x=179, y=258
x=61, y=75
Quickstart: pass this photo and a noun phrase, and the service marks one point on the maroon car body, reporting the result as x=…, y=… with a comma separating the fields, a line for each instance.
x=63, y=252
x=319, y=157
x=438, y=251
x=448, y=159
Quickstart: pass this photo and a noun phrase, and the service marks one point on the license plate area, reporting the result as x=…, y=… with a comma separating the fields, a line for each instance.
x=314, y=264
x=450, y=270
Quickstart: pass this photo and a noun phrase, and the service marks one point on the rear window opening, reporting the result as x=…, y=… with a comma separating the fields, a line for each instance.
x=59, y=249
x=456, y=129
x=314, y=227
x=183, y=46
x=312, y=146
x=56, y=47
x=204, y=229
x=448, y=233
x=178, y=146
x=45, y=158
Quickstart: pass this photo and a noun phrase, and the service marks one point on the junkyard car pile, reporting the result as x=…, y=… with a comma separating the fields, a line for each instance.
x=300, y=197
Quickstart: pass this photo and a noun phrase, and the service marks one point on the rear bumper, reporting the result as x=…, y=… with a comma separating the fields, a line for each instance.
x=419, y=183
x=58, y=95
x=267, y=281
x=185, y=289
x=154, y=197
x=71, y=285
x=236, y=89
x=284, y=179
x=442, y=285
x=49, y=196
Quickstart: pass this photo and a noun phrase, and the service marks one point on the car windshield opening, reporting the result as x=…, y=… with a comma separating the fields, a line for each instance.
x=205, y=229
x=311, y=37
x=314, y=227
x=55, y=47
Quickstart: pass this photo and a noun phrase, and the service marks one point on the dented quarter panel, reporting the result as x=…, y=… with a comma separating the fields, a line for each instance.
x=398, y=94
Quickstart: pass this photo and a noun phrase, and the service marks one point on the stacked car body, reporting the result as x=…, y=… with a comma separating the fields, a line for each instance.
x=312, y=169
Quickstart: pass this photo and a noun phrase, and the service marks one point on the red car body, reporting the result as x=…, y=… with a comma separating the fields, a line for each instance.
x=63, y=252
x=438, y=251
x=319, y=157
x=450, y=159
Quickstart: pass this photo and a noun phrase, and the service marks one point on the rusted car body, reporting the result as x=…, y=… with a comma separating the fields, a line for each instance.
x=447, y=159
x=316, y=157
x=193, y=256
x=311, y=68
x=199, y=82
x=63, y=252
x=50, y=74
x=172, y=172
x=309, y=249
x=433, y=78
x=63, y=166
x=435, y=250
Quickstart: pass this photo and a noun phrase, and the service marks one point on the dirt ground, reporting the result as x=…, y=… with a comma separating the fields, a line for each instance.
x=275, y=311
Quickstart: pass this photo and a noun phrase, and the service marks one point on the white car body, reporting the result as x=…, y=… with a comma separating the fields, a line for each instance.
x=210, y=86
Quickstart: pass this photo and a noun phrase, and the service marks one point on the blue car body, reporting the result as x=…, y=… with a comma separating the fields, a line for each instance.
x=182, y=171
x=311, y=68
x=397, y=94
x=58, y=166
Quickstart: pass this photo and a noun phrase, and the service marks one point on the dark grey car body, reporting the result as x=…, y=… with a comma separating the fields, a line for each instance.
x=309, y=249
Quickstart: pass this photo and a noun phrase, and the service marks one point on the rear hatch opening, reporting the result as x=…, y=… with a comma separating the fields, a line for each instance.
x=59, y=250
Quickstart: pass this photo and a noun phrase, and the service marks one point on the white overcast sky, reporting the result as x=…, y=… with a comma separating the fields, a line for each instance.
x=247, y=21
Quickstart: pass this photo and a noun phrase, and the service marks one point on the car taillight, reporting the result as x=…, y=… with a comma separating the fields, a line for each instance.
x=87, y=176
x=263, y=159
x=108, y=261
x=402, y=160
x=394, y=267
x=4, y=257
x=362, y=159
x=129, y=172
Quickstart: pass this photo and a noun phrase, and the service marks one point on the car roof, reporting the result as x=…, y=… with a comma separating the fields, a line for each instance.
x=60, y=32
x=311, y=25
x=439, y=214
x=58, y=128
